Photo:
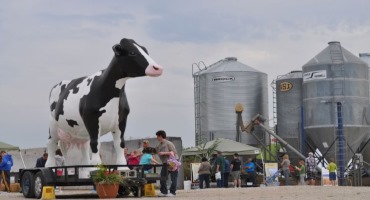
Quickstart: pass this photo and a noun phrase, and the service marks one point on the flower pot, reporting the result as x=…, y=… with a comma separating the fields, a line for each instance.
x=107, y=191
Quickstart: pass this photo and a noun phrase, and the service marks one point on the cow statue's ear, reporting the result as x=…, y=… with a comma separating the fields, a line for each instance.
x=117, y=49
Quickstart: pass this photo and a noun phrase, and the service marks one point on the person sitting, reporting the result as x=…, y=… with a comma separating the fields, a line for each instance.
x=249, y=168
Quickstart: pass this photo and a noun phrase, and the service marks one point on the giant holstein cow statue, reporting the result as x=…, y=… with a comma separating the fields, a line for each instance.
x=86, y=108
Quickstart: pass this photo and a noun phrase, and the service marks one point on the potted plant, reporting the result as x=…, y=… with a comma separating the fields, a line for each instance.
x=106, y=181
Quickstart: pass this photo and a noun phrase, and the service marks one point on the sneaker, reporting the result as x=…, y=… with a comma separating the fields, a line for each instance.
x=170, y=195
x=162, y=195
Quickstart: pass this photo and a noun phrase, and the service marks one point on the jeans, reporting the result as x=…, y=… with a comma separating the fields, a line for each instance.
x=220, y=182
x=173, y=175
x=286, y=176
x=204, y=178
x=301, y=179
x=226, y=179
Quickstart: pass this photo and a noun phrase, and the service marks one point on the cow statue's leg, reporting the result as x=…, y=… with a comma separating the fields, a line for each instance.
x=52, y=143
x=85, y=152
x=92, y=125
x=95, y=156
x=120, y=159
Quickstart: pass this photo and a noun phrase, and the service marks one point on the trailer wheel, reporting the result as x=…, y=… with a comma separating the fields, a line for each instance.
x=27, y=186
x=124, y=191
x=38, y=184
x=137, y=191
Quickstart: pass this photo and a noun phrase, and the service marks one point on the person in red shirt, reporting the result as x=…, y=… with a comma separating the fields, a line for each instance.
x=133, y=158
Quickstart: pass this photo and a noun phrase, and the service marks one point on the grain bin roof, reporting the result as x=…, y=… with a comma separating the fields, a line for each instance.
x=325, y=56
x=228, y=64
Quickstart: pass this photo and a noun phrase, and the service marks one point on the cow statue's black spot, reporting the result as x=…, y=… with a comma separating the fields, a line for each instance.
x=72, y=122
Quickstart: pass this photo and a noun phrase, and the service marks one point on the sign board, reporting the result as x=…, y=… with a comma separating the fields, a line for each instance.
x=314, y=75
x=271, y=170
x=194, y=172
x=285, y=86
x=223, y=78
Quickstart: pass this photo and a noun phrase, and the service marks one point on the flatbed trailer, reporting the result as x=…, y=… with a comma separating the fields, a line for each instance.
x=32, y=180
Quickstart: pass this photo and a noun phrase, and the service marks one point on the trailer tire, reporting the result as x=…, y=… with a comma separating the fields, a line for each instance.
x=27, y=185
x=38, y=184
x=124, y=191
x=137, y=191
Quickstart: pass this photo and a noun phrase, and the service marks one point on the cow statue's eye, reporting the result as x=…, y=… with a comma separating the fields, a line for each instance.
x=132, y=53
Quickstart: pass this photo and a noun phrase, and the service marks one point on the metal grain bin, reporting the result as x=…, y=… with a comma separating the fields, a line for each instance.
x=288, y=108
x=335, y=76
x=366, y=152
x=217, y=89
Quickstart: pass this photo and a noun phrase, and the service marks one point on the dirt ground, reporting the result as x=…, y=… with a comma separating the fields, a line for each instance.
x=277, y=192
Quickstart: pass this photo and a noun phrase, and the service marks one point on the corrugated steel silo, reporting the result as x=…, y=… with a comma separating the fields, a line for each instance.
x=366, y=152
x=335, y=76
x=217, y=89
x=288, y=109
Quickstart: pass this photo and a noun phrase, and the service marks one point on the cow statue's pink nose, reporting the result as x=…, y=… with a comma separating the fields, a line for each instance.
x=152, y=70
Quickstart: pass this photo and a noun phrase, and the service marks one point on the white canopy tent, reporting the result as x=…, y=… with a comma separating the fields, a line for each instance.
x=8, y=147
x=226, y=146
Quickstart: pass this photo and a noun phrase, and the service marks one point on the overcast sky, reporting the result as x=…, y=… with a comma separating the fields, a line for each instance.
x=44, y=42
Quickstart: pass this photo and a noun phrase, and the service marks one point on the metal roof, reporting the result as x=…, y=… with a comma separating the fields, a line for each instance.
x=325, y=56
x=229, y=64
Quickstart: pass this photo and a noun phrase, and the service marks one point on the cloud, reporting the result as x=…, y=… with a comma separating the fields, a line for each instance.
x=45, y=42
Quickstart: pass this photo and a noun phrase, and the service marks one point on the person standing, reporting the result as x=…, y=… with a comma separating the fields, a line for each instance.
x=5, y=167
x=145, y=143
x=227, y=173
x=204, y=172
x=165, y=149
x=332, y=167
x=126, y=154
x=310, y=163
x=235, y=170
x=40, y=162
x=220, y=167
x=249, y=168
x=285, y=166
x=59, y=161
x=302, y=172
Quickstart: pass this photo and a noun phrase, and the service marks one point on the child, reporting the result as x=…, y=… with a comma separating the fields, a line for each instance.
x=133, y=158
x=302, y=172
x=147, y=159
x=332, y=167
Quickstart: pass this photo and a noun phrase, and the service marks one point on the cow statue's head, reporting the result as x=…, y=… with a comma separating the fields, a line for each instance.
x=133, y=60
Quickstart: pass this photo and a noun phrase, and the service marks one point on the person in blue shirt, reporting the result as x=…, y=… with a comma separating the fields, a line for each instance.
x=148, y=159
x=249, y=168
x=5, y=167
x=227, y=173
